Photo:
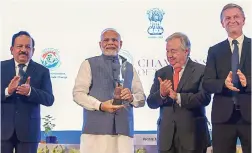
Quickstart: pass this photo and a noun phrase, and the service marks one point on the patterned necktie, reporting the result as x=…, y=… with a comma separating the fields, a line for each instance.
x=21, y=73
x=235, y=63
x=176, y=78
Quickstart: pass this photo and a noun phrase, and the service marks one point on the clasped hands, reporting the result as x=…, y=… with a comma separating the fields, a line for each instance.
x=230, y=85
x=108, y=106
x=14, y=86
x=166, y=89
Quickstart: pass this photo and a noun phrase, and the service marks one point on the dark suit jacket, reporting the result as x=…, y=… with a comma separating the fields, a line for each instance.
x=190, y=119
x=21, y=113
x=216, y=71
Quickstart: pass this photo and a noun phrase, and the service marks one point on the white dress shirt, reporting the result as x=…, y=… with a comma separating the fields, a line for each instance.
x=240, y=42
x=180, y=75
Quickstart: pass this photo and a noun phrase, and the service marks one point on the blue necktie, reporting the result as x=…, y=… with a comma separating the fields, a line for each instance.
x=22, y=74
x=235, y=64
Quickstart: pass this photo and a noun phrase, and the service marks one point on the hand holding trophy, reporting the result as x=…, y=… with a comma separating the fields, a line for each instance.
x=117, y=94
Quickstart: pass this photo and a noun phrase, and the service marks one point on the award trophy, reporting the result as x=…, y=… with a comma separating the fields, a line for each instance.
x=119, y=85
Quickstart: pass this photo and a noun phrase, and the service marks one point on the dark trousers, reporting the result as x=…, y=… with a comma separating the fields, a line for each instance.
x=8, y=146
x=225, y=135
x=178, y=148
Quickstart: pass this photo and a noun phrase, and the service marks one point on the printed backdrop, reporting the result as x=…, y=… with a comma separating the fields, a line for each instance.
x=67, y=32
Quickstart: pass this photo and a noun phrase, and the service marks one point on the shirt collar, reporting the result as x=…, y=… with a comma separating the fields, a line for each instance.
x=239, y=39
x=16, y=63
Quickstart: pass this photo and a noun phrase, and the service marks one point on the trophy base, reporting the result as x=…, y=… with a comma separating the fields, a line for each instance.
x=117, y=102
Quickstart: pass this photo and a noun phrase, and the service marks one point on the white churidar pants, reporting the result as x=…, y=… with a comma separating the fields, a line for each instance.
x=106, y=144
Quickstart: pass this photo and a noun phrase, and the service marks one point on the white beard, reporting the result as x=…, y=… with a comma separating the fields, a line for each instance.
x=110, y=53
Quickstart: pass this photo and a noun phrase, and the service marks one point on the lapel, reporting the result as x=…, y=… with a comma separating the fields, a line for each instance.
x=187, y=74
x=30, y=69
x=11, y=68
x=226, y=55
x=168, y=73
x=246, y=47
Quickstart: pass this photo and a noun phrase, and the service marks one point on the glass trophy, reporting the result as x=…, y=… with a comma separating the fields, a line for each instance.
x=119, y=85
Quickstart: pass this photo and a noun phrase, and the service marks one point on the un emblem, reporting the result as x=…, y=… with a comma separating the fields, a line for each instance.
x=50, y=58
x=155, y=16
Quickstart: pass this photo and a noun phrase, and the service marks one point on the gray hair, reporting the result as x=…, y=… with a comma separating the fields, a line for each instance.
x=228, y=6
x=185, y=42
x=110, y=29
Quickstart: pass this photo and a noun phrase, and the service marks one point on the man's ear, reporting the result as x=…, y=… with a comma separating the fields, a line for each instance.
x=121, y=44
x=187, y=52
x=223, y=26
x=33, y=50
x=100, y=44
x=11, y=49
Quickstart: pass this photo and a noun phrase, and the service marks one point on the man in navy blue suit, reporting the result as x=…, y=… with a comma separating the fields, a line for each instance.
x=228, y=76
x=25, y=85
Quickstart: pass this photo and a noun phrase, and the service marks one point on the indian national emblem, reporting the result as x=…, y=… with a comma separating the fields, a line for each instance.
x=155, y=16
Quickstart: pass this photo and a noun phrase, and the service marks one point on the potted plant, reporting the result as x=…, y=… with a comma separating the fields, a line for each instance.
x=48, y=126
x=73, y=150
x=59, y=149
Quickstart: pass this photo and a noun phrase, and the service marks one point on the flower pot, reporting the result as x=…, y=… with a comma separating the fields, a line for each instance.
x=51, y=139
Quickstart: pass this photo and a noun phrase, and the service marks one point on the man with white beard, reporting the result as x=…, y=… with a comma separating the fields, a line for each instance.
x=107, y=127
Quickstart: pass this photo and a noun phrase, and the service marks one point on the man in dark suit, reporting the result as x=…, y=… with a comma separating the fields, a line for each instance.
x=25, y=85
x=182, y=125
x=228, y=76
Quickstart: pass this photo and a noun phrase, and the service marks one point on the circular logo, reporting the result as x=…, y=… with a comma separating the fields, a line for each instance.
x=50, y=58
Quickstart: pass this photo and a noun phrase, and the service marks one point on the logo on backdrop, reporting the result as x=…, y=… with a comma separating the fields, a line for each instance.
x=148, y=66
x=155, y=16
x=50, y=58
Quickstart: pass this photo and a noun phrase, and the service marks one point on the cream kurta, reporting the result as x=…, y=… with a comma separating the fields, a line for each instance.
x=103, y=143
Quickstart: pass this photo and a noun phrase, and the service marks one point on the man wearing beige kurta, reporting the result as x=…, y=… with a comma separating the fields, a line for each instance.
x=107, y=128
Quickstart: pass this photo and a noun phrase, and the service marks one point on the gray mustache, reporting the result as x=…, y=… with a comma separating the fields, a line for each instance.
x=21, y=52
